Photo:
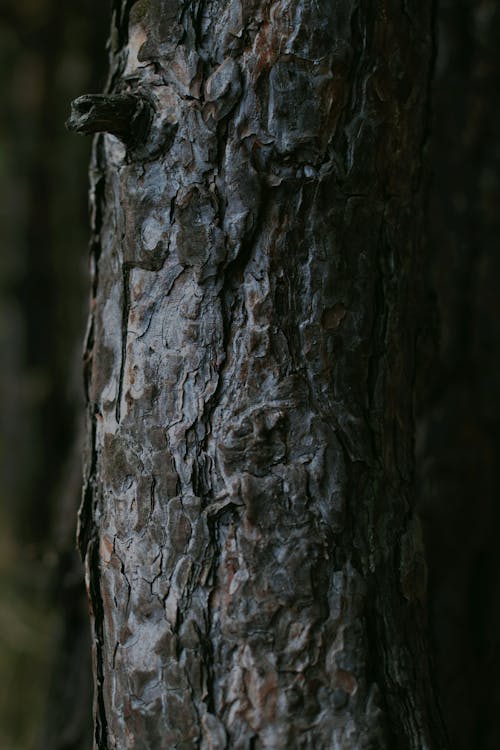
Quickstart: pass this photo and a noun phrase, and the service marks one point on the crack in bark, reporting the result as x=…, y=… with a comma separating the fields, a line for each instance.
x=93, y=562
x=126, y=302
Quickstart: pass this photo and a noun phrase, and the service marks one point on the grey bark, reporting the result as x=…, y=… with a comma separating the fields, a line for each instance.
x=252, y=551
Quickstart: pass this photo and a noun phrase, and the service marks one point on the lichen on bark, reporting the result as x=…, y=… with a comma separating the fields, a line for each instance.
x=248, y=519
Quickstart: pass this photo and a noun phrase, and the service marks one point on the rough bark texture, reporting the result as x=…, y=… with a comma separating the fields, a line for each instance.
x=253, y=557
x=460, y=438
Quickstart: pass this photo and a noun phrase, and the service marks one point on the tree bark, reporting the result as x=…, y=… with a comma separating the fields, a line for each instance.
x=252, y=551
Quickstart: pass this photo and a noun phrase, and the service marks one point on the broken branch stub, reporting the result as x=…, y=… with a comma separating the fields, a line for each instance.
x=126, y=116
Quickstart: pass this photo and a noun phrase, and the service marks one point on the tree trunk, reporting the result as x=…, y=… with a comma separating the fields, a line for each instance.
x=253, y=557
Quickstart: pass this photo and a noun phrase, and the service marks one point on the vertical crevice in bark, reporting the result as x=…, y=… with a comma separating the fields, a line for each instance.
x=125, y=316
x=100, y=728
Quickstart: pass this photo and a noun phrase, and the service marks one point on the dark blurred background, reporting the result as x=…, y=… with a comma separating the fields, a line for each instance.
x=52, y=51
x=459, y=425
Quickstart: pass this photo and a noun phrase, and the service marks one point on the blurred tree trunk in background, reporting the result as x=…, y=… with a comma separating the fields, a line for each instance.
x=48, y=49
x=459, y=437
x=253, y=556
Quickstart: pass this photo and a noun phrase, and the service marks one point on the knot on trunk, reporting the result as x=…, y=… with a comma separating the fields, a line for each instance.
x=127, y=116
